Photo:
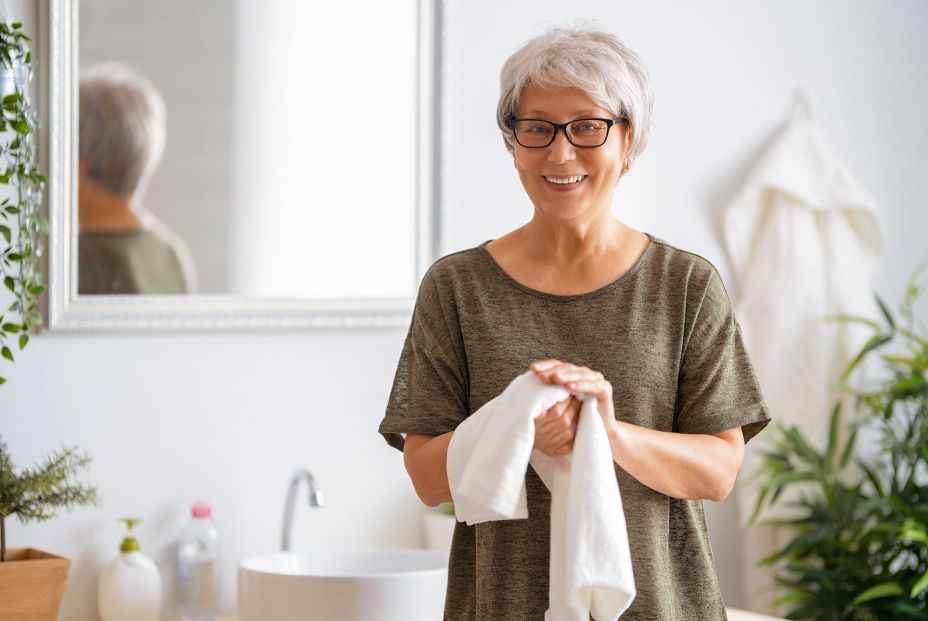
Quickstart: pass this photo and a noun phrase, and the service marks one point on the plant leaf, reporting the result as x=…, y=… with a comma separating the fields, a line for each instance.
x=886, y=314
x=877, y=340
x=833, y=429
x=887, y=589
x=6, y=353
x=920, y=586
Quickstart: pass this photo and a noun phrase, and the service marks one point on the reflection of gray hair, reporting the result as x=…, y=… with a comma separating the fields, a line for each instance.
x=122, y=128
x=597, y=62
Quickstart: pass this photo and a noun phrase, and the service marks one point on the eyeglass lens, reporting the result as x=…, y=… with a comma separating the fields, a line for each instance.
x=582, y=133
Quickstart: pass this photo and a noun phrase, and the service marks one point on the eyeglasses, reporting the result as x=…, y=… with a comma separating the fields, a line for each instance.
x=583, y=133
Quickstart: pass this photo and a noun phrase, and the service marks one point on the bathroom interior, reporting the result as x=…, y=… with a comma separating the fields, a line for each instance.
x=308, y=246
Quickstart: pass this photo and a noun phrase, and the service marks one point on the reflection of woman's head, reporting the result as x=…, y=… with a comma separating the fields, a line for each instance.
x=122, y=128
x=596, y=62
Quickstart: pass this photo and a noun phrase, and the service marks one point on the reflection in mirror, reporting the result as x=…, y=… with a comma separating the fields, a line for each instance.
x=288, y=132
x=123, y=248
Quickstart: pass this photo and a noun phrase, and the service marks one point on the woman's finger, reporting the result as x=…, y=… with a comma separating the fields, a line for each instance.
x=541, y=365
x=549, y=374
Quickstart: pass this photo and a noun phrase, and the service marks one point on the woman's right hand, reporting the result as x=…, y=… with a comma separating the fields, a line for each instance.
x=556, y=428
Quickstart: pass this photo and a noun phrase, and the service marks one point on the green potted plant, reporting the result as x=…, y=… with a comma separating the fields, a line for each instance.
x=859, y=528
x=22, y=225
x=31, y=581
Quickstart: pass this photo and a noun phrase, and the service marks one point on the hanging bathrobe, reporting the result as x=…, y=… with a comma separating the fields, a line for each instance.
x=804, y=240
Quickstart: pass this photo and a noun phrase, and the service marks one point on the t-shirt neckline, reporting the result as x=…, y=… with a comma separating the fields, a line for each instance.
x=574, y=296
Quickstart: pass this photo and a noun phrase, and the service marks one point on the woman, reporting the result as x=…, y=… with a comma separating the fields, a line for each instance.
x=122, y=247
x=587, y=302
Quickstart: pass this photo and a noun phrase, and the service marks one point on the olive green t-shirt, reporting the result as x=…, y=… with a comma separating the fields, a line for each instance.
x=664, y=334
x=143, y=261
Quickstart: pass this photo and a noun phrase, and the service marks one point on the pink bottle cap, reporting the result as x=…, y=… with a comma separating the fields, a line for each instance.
x=201, y=510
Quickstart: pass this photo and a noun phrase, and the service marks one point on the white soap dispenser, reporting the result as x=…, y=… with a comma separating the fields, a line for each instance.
x=130, y=585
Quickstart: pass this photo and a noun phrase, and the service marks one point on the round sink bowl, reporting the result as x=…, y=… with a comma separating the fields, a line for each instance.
x=349, y=585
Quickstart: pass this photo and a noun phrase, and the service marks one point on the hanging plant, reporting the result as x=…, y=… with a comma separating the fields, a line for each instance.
x=21, y=223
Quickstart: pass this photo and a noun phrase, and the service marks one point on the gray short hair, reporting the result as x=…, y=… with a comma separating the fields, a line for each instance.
x=597, y=62
x=122, y=128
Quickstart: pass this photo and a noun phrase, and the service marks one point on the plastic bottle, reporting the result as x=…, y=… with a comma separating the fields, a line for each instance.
x=130, y=585
x=198, y=566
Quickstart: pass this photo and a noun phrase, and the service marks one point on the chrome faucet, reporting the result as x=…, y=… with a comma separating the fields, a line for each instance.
x=316, y=499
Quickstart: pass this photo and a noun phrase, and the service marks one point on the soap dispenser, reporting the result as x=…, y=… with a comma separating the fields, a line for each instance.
x=130, y=585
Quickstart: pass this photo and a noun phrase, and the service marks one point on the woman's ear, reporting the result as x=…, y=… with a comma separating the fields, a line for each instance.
x=627, y=161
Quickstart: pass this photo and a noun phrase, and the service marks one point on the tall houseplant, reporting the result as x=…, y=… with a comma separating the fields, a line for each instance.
x=31, y=581
x=21, y=223
x=859, y=544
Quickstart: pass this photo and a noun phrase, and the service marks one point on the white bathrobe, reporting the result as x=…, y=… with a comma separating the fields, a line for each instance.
x=804, y=239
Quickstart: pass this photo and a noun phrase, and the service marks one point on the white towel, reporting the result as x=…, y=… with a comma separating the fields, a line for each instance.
x=489, y=453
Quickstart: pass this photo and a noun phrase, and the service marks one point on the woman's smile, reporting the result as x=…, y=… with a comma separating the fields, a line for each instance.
x=560, y=183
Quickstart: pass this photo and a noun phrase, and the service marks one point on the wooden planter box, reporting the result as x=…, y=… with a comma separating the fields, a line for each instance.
x=31, y=585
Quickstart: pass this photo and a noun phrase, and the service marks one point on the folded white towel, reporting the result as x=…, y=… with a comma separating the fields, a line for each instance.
x=591, y=567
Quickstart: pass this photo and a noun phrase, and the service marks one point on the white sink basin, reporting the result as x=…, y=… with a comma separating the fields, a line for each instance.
x=350, y=585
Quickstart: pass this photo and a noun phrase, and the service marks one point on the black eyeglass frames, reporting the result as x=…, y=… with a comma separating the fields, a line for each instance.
x=582, y=133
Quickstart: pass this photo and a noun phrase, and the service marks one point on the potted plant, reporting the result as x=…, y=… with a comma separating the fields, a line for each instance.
x=21, y=223
x=31, y=581
x=859, y=528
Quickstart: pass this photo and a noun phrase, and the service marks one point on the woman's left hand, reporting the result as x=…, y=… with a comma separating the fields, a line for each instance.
x=579, y=380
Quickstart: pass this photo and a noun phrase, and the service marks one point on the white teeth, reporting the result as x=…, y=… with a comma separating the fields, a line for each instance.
x=564, y=180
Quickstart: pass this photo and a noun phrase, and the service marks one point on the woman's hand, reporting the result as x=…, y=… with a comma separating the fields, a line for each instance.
x=580, y=380
x=556, y=428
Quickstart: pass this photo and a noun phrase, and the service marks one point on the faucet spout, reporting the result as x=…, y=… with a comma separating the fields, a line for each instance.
x=316, y=499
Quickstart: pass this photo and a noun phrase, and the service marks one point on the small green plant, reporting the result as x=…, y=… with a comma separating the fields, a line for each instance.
x=35, y=493
x=859, y=550
x=21, y=223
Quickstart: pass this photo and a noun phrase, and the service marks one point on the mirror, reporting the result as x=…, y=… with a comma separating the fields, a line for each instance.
x=239, y=164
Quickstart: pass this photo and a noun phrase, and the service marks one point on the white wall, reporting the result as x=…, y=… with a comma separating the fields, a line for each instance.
x=171, y=418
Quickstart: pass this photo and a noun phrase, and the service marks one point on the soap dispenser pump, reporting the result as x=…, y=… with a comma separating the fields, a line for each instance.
x=130, y=586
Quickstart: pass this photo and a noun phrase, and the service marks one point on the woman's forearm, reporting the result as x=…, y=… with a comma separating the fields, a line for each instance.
x=680, y=465
x=426, y=459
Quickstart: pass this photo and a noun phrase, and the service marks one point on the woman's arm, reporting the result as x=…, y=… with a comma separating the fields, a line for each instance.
x=680, y=465
x=686, y=466
x=426, y=459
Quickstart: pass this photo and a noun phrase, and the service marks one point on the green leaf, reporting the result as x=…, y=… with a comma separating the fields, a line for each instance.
x=2, y=380
x=887, y=589
x=12, y=209
x=872, y=477
x=23, y=340
x=853, y=319
x=877, y=340
x=917, y=364
x=919, y=586
x=6, y=353
x=11, y=327
x=20, y=126
x=37, y=289
x=886, y=314
x=6, y=232
x=833, y=429
x=848, y=450
x=10, y=283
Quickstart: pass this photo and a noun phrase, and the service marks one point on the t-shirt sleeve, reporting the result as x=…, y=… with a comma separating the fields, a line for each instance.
x=718, y=388
x=429, y=394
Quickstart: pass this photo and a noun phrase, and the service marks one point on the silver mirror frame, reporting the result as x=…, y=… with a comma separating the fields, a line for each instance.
x=68, y=312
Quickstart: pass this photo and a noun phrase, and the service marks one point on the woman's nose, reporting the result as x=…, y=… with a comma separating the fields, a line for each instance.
x=561, y=150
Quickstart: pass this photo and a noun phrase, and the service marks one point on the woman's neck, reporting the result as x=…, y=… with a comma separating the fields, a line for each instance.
x=103, y=211
x=571, y=242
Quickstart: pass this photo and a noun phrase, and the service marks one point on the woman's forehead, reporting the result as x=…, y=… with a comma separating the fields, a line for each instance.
x=572, y=102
